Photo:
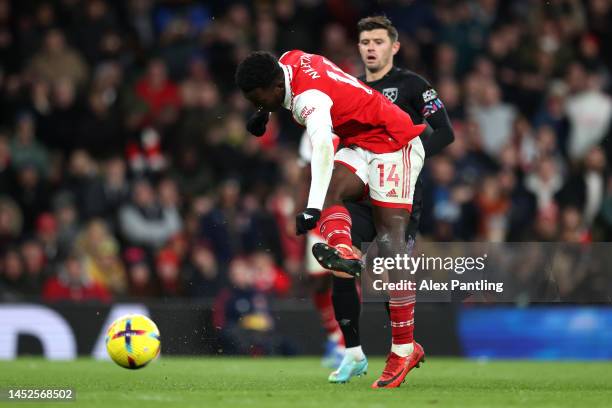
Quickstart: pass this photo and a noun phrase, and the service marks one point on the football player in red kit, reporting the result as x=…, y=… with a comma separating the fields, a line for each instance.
x=382, y=150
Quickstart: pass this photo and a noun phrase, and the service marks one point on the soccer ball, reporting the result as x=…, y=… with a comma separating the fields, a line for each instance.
x=132, y=341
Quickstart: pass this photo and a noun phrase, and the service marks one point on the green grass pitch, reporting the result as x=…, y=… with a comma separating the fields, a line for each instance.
x=301, y=382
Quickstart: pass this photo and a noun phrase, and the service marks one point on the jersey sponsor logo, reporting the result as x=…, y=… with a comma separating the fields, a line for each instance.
x=432, y=107
x=390, y=93
x=429, y=95
x=305, y=61
x=392, y=194
x=306, y=111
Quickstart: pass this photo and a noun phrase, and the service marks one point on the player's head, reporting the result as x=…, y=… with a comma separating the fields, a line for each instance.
x=261, y=80
x=377, y=42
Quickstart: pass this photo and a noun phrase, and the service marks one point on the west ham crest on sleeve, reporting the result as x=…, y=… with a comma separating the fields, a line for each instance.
x=390, y=93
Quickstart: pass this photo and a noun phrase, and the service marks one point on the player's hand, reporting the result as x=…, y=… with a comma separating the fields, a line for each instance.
x=306, y=220
x=256, y=125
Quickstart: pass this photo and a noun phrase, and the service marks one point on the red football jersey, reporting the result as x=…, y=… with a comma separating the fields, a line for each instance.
x=360, y=115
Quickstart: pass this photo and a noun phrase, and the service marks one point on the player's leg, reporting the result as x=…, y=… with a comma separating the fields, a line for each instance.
x=413, y=224
x=391, y=224
x=320, y=282
x=347, y=308
x=346, y=299
x=321, y=290
x=347, y=183
x=392, y=181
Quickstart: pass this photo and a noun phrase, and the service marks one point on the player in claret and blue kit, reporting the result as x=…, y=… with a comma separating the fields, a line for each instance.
x=414, y=95
x=383, y=151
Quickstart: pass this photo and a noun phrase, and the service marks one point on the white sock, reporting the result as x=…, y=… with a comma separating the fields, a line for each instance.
x=402, y=350
x=335, y=336
x=355, y=352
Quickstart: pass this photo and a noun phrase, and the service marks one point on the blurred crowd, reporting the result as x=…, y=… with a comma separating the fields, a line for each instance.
x=126, y=169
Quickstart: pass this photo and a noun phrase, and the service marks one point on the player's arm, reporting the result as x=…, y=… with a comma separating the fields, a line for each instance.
x=305, y=155
x=313, y=108
x=439, y=133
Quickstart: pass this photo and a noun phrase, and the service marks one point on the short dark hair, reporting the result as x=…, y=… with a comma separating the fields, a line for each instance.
x=377, y=22
x=259, y=70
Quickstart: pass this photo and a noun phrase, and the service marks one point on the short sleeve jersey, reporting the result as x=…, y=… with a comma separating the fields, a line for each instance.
x=360, y=116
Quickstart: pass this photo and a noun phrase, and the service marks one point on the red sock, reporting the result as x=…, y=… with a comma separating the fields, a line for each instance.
x=323, y=303
x=336, y=226
x=402, y=319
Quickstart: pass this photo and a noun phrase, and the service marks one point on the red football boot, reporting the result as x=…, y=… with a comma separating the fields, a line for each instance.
x=398, y=367
x=340, y=258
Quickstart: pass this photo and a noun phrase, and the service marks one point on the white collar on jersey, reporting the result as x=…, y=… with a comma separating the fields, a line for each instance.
x=288, y=94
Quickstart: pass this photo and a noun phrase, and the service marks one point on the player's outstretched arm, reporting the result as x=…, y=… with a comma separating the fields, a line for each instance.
x=314, y=109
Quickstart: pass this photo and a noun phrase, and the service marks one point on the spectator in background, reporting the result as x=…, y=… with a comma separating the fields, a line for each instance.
x=66, y=214
x=494, y=117
x=7, y=173
x=585, y=189
x=450, y=213
x=25, y=149
x=8, y=51
x=220, y=226
x=47, y=235
x=522, y=211
x=202, y=106
x=35, y=264
x=589, y=111
x=269, y=278
x=56, y=60
x=590, y=51
x=142, y=283
x=167, y=267
x=546, y=226
x=282, y=205
x=450, y=93
x=544, y=182
x=72, y=284
x=145, y=221
x=606, y=213
x=13, y=281
x=493, y=208
x=82, y=172
x=193, y=178
x=159, y=95
x=140, y=21
x=552, y=113
x=337, y=48
x=100, y=255
x=202, y=274
x=61, y=123
x=168, y=193
x=547, y=145
x=106, y=194
x=523, y=143
x=446, y=61
x=572, y=226
x=43, y=18
x=11, y=221
x=101, y=117
x=95, y=21
x=31, y=194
